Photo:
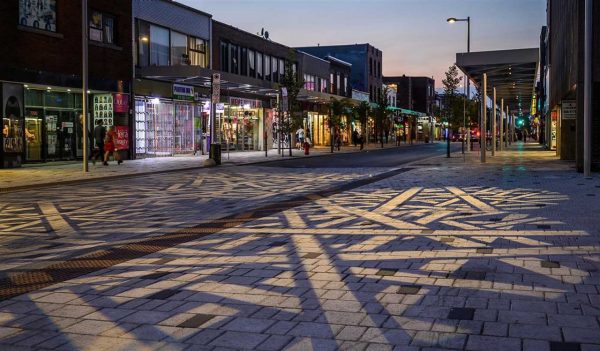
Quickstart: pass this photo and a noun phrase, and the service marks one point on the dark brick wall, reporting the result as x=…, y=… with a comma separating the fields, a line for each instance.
x=60, y=53
x=422, y=99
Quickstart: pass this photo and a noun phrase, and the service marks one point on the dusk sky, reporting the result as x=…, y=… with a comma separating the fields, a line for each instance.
x=413, y=34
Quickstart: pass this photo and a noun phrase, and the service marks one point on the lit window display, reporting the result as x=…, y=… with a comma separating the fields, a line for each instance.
x=239, y=125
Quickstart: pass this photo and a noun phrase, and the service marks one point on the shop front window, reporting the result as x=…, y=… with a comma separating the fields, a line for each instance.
x=40, y=14
x=184, y=128
x=179, y=54
x=159, y=46
x=239, y=128
x=154, y=122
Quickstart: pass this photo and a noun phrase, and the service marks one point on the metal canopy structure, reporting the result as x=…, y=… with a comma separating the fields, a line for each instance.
x=197, y=76
x=511, y=72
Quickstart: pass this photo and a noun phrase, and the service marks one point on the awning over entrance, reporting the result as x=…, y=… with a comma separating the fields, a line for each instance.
x=511, y=72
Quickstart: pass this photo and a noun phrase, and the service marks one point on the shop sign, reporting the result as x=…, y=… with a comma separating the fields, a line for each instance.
x=122, y=141
x=121, y=103
x=220, y=108
x=554, y=115
x=569, y=109
x=103, y=109
x=201, y=97
x=183, y=92
x=243, y=102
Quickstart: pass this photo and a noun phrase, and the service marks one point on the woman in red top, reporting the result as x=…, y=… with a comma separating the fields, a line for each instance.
x=110, y=146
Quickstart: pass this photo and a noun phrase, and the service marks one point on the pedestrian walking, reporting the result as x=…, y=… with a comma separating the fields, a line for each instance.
x=99, y=136
x=338, y=140
x=299, y=137
x=110, y=145
x=354, y=137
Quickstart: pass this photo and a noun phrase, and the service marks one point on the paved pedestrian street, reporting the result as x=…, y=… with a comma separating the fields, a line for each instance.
x=438, y=254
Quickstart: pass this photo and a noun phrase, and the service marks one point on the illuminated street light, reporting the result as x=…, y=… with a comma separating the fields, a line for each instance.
x=468, y=94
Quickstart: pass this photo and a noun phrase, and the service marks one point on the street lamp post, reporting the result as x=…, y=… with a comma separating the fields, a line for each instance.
x=84, y=83
x=468, y=20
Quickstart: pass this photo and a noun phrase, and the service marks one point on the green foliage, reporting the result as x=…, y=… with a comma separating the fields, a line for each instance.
x=338, y=108
x=361, y=113
x=457, y=107
x=381, y=113
x=293, y=83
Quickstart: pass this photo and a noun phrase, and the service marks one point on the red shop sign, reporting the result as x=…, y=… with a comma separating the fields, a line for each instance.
x=121, y=103
x=122, y=140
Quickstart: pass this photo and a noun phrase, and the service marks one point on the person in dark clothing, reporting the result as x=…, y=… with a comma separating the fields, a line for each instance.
x=354, y=137
x=99, y=135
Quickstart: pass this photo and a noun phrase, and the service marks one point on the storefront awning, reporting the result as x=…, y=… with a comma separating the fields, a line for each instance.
x=197, y=76
x=511, y=72
x=400, y=110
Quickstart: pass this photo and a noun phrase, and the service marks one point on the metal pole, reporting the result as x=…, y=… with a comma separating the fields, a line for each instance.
x=483, y=128
x=502, y=124
x=84, y=80
x=506, y=128
x=469, y=80
x=511, y=128
x=494, y=125
x=464, y=120
x=278, y=124
x=587, y=94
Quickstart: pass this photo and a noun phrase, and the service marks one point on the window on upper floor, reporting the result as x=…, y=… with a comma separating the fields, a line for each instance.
x=243, y=61
x=234, y=67
x=338, y=84
x=102, y=27
x=224, y=51
x=345, y=91
x=331, y=83
x=370, y=66
x=310, y=82
x=259, y=65
x=179, y=52
x=40, y=14
x=323, y=87
x=281, y=70
x=274, y=69
x=159, y=46
x=267, y=59
x=197, y=53
x=251, y=63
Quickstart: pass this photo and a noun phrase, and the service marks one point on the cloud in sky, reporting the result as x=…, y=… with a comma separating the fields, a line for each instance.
x=413, y=34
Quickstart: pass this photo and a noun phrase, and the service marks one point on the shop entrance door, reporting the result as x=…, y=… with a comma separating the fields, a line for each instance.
x=34, y=135
x=60, y=135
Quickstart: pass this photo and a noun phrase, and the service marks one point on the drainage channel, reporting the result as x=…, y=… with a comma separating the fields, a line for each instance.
x=17, y=283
